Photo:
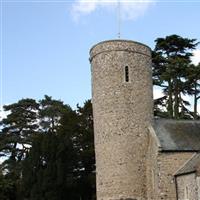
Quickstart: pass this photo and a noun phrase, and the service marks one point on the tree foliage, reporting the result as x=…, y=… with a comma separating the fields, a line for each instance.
x=171, y=65
x=193, y=87
x=49, y=150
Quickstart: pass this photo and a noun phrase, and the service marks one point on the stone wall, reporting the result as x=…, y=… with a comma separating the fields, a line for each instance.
x=161, y=170
x=187, y=187
x=168, y=165
x=152, y=167
x=122, y=112
x=198, y=186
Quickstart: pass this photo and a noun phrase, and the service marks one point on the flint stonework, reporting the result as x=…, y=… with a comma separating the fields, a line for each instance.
x=122, y=113
x=138, y=157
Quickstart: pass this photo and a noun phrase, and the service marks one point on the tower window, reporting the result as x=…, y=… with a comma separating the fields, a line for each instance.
x=126, y=74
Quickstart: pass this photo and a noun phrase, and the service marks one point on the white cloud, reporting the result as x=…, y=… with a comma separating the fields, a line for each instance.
x=196, y=56
x=130, y=9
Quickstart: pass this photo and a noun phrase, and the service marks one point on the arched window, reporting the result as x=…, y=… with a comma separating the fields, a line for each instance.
x=126, y=74
x=186, y=193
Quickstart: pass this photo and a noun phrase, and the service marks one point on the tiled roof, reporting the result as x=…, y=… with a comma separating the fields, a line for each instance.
x=190, y=166
x=178, y=135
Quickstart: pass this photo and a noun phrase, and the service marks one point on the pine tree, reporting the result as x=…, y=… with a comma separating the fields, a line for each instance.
x=48, y=168
x=16, y=138
x=87, y=155
x=171, y=59
x=193, y=85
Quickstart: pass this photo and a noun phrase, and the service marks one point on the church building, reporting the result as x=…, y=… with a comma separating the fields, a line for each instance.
x=138, y=157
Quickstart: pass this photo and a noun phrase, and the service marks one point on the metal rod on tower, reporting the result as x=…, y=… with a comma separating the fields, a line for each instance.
x=119, y=19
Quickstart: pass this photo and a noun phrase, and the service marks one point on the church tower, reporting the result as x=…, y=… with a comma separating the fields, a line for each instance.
x=123, y=109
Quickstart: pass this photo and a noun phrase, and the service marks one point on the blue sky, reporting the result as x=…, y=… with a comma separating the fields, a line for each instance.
x=45, y=45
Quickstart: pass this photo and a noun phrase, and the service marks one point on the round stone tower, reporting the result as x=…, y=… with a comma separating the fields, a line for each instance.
x=122, y=108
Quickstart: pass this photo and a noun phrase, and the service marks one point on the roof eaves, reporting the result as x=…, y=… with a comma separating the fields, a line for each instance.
x=178, y=151
x=186, y=173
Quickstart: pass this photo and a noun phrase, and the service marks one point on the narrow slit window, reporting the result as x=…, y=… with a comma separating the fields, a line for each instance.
x=126, y=74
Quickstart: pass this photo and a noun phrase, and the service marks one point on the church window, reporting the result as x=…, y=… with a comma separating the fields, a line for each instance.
x=186, y=193
x=126, y=74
